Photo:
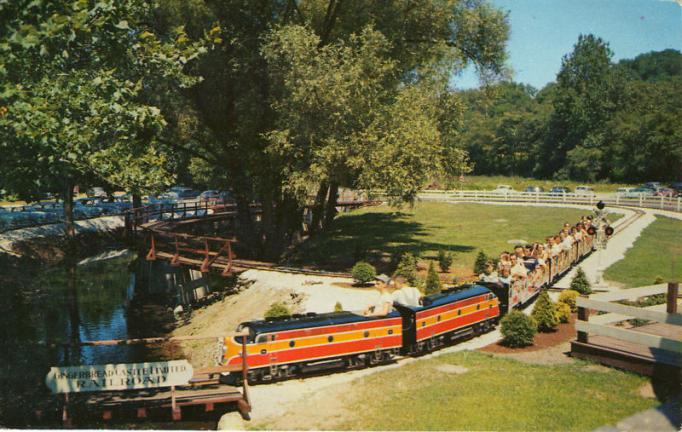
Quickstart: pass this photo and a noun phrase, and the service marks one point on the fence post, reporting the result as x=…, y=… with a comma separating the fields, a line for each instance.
x=583, y=315
x=673, y=291
x=640, y=200
x=679, y=200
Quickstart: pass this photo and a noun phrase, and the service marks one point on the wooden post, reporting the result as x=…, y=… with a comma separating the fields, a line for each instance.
x=583, y=315
x=177, y=414
x=673, y=292
x=245, y=371
x=66, y=419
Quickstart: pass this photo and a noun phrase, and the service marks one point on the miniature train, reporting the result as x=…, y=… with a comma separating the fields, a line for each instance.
x=284, y=347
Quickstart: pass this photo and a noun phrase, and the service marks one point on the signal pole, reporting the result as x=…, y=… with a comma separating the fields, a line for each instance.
x=602, y=235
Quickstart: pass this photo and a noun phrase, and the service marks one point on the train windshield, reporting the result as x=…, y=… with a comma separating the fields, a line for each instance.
x=245, y=328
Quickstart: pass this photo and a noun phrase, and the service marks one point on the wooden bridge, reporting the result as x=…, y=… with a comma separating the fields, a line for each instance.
x=163, y=226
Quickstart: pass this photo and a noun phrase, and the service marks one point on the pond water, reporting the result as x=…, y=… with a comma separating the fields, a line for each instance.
x=112, y=296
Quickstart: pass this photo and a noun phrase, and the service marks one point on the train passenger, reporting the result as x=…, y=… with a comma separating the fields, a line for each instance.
x=555, y=249
x=384, y=304
x=489, y=274
x=504, y=277
x=406, y=295
x=518, y=270
x=504, y=262
x=566, y=241
x=528, y=259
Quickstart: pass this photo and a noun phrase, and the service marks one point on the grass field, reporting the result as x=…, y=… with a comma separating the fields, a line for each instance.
x=656, y=253
x=461, y=228
x=494, y=394
x=520, y=183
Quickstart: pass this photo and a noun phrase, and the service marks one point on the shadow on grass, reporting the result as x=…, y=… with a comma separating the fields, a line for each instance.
x=373, y=237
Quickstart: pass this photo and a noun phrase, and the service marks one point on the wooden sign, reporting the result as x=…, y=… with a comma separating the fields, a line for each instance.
x=125, y=376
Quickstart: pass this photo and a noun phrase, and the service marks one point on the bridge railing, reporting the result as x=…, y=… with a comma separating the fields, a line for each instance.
x=184, y=248
x=642, y=201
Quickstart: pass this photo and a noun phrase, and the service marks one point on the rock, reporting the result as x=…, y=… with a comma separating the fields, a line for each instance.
x=232, y=421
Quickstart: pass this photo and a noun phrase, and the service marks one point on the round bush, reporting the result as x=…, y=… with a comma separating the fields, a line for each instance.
x=363, y=272
x=569, y=297
x=277, y=310
x=562, y=312
x=518, y=329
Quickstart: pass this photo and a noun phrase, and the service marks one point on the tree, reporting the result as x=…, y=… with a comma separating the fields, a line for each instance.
x=74, y=105
x=249, y=99
x=569, y=297
x=363, y=272
x=444, y=260
x=588, y=92
x=433, y=284
x=407, y=268
x=479, y=264
x=580, y=283
x=544, y=313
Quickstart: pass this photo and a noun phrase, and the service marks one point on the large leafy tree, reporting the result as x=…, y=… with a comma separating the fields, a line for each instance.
x=587, y=93
x=243, y=99
x=75, y=102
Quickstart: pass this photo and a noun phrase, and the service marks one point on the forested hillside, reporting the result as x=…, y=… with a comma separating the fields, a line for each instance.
x=599, y=120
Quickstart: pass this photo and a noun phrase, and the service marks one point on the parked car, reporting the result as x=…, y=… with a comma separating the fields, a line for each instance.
x=215, y=195
x=584, y=191
x=677, y=186
x=184, y=192
x=642, y=191
x=96, y=192
x=559, y=190
x=652, y=185
x=533, y=189
x=624, y=192
x=503, y=189
x=665, y=192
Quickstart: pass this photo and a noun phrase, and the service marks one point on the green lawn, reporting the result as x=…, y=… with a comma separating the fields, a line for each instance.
x=461, y=228
x=494, y=394
x=520, y=183
x=656, y=253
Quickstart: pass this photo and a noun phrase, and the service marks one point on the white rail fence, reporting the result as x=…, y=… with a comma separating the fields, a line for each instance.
x=653, y=202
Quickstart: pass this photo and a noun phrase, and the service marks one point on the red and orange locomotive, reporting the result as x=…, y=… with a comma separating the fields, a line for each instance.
x=280, y=348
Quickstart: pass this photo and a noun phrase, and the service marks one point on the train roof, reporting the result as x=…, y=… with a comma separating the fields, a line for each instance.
x=440, y=299
x=310, y=320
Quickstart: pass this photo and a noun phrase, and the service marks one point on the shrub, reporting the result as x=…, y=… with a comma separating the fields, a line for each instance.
x=433, y=284
x=479, y=265
x=363, y=272
x=569, y=297
x=580, y=282
x=277, y=310
x=659, y=280
x=407, y=268
x=518, y=329
x=338, y=307
x=444, y=260
x=562, y=312
x=544, y=313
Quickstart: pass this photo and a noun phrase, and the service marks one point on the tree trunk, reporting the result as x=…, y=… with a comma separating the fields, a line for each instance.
x=74, y=356
x=245, y=225
x=137, y=200
x=318, y=208
x=330, y=211
x=69, y=228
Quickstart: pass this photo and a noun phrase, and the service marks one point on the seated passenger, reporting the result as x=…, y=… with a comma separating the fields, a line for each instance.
x=566, y=241
x=528, y=259
x=406, y=295
x=504, y=262
x=489, y=274
x=384, y=305
x=555, y=249
x=518, y=270
x=504, y=277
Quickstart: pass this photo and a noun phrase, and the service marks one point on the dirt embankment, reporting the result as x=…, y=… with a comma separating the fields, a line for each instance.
x=251, y=301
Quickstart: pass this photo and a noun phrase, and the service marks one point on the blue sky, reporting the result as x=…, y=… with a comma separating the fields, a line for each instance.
x=543, y=31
